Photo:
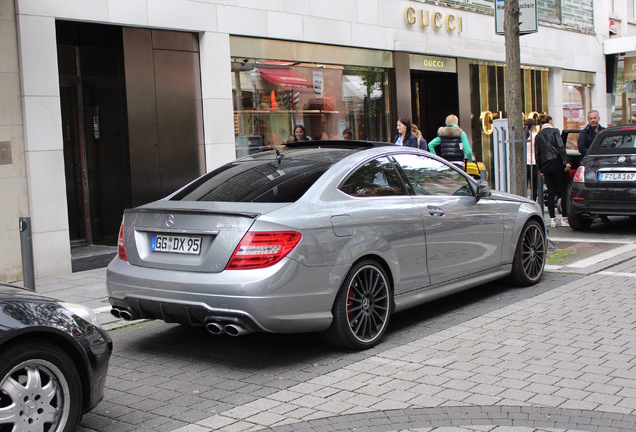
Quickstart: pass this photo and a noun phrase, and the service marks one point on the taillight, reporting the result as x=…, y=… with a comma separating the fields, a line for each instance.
x=121, y=248
x=579, y=175
x=262, y=249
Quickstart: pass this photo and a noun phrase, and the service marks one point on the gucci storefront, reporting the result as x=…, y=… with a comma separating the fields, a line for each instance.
x=146, y=98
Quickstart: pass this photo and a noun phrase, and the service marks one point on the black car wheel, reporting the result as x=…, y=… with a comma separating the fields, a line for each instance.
x=578, y=223
x=530, y=255
x=362, y=308
x=40, y=388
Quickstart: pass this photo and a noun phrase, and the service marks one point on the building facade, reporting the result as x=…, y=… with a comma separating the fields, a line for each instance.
x=109, y=104
x=620, y=52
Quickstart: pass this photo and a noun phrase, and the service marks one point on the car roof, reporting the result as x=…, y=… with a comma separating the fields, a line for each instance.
x=353, y=144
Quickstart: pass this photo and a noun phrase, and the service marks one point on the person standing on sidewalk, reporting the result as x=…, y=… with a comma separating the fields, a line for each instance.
x=532, y=173
x=421, y=142
x=452, y=142
x=405, y=137
x=554, y=166
x=589, y=132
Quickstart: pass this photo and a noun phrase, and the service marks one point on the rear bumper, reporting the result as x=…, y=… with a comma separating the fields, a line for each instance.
x=606, y=201
x=285, y=298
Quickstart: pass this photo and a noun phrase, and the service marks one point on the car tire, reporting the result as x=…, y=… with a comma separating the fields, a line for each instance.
x=362, y=308
x=530, y=255
x=40, y=387
x=577, y=223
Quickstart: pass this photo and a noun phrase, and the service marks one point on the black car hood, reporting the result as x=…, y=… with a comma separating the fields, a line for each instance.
x=21, y=310
x=12, y=292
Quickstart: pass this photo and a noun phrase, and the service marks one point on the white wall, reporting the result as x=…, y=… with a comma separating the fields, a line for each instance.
x=13, y=180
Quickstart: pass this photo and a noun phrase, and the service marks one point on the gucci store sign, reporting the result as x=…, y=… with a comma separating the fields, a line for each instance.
x=432, y=63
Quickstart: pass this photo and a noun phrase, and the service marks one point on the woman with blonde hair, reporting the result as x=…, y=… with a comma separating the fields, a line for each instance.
x=452, y=141
x=421, y=142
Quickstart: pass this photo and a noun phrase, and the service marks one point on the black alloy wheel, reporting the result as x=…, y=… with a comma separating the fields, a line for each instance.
x=362, y=308
x=530, y=255
x=577, y=222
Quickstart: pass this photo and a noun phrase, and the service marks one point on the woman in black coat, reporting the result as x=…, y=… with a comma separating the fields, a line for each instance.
x=553, y=163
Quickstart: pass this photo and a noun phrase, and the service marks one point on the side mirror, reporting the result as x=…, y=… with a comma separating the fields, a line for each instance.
x=483, y=189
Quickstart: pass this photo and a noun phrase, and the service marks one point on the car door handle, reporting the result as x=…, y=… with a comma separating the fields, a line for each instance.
x=435, y=211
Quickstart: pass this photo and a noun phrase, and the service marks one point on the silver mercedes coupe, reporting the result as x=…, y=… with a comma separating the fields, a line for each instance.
x=331, y=237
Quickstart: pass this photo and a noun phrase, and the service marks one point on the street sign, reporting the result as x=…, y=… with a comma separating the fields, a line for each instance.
x=528, y=20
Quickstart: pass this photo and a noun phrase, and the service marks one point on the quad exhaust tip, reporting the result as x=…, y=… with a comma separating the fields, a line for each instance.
x=217, y=328
x=121, y=313
x=214, y=328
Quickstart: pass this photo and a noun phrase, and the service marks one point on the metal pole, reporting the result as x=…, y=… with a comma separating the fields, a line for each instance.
x=512, y=167
x=26, y=246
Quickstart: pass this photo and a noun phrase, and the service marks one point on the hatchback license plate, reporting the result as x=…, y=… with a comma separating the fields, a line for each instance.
x=177, y=244
x=617, y=176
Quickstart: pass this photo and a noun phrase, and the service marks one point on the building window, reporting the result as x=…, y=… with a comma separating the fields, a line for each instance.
x=272, y=97
x=630, y=8
x=624, y=104
x=488, y=101
x=576, y=103
x=550, y=12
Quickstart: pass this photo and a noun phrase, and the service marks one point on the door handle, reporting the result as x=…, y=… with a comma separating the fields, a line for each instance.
x=435, y=211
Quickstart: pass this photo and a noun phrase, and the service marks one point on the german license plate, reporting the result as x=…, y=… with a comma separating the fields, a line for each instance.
x=176, y=244
x=617, y=176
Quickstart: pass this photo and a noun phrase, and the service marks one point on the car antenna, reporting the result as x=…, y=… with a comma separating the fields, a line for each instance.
x=279, y=156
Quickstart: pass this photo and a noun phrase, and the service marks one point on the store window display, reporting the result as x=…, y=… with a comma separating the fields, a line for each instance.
x=272, y=97
x=576, y=103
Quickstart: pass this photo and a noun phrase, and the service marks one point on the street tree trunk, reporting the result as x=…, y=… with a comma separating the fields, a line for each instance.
x=514, y=105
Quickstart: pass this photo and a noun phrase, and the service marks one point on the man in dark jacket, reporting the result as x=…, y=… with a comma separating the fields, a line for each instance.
x=588, y=133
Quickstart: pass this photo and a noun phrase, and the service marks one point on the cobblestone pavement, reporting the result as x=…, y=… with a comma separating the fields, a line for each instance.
x=560, y=356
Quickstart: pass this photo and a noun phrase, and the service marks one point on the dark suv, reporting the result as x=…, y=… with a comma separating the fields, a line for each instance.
x=605, y=181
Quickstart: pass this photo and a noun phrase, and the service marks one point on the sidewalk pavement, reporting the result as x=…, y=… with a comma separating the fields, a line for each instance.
x=562, y=360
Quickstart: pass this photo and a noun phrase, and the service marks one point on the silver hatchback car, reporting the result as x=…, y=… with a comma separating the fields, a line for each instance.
x=331, y=237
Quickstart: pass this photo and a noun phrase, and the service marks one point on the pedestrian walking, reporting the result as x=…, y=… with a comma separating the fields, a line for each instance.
x=554, y=166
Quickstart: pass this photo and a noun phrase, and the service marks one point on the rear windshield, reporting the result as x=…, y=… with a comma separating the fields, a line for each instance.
x=266, y=177
x=624, y=143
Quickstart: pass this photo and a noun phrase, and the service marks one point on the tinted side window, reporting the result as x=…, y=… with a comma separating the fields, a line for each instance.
x=431, y=177
x=375, y=178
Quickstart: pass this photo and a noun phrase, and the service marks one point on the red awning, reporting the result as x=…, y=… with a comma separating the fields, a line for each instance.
x=285, y=78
